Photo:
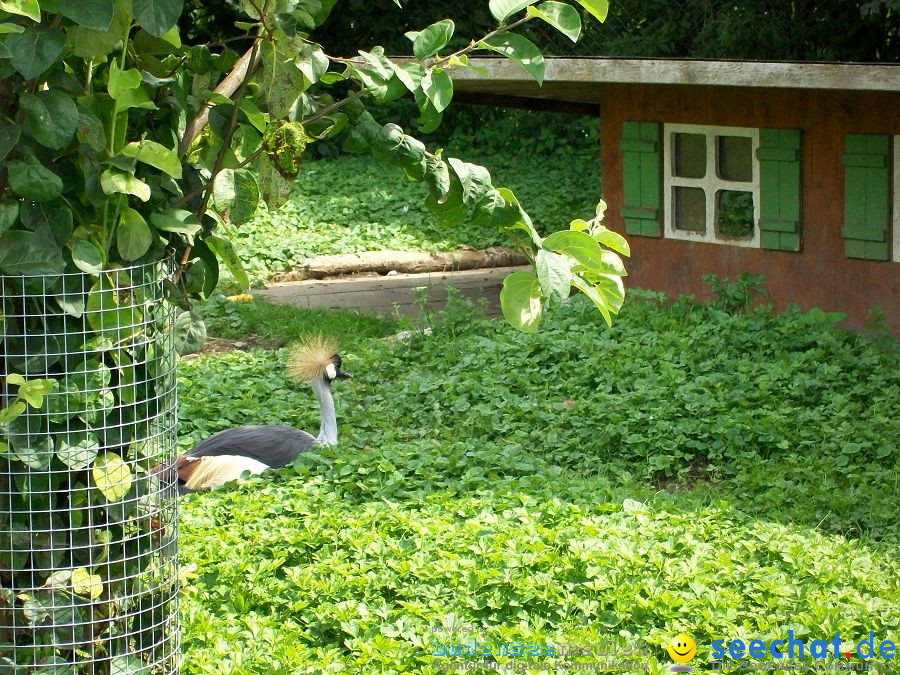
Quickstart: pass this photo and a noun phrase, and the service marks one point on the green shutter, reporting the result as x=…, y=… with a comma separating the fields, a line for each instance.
x=866, y=196
x=779, y=189
x=641, y=177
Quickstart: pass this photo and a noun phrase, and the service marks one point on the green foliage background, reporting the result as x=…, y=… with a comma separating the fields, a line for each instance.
x=347, y=204
x=833, y=30
x=728, y=475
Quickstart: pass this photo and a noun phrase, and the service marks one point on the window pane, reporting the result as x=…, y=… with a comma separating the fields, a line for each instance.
x=689, y=155
x=735, y=158
x=689, y=209
x=734, y=214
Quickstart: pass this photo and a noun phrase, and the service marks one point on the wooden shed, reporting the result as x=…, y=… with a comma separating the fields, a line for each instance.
x=789, y=170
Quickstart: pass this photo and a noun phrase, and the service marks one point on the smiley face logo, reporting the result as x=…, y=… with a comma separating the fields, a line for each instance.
x=682, y=648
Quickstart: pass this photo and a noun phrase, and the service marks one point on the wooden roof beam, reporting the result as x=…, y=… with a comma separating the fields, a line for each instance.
x=568, y=75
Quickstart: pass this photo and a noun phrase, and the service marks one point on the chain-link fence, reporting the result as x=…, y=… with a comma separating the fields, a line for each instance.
x=88, y=557
x=803, y=30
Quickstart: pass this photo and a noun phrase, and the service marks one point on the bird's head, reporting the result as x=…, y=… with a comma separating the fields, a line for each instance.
x=316, y=358
x=333, y=369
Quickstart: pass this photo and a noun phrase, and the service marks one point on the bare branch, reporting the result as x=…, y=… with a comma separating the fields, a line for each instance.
x=242, y=69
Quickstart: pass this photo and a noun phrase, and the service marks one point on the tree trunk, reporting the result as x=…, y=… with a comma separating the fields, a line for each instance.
x=407, y=262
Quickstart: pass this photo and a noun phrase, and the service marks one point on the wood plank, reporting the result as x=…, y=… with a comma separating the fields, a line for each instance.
x=391, y=294
x=565, y=78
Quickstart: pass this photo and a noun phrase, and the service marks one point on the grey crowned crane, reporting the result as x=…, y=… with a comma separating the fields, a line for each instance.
x=225, y=456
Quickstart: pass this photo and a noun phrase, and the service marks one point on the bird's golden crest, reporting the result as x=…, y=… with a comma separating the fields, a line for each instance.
x=309, y=357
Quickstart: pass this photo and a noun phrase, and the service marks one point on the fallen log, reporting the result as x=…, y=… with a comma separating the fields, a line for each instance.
x=405, y=262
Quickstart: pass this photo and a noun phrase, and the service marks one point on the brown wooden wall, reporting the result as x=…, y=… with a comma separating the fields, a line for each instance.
x=820, y=275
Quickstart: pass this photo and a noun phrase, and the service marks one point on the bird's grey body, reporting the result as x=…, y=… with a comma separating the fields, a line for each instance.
x=275, y=446
x=231, y=453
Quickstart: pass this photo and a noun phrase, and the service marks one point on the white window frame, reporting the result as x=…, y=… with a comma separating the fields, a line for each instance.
x=895, y=198
x=710, y=184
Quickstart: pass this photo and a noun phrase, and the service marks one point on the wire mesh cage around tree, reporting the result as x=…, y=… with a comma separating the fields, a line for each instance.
x=88, y=557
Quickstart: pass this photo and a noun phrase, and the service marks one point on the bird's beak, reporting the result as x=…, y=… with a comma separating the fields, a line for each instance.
x=344, y=374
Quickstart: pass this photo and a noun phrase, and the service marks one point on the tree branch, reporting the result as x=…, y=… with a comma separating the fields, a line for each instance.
x=242, y=70
x=226, y=143
x=474, y=44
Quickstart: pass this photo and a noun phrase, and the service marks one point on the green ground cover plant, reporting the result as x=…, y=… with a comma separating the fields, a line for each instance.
x=690, y=469
x=347, y=204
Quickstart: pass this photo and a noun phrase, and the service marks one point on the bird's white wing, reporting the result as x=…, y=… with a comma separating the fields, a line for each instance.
x=208, y=473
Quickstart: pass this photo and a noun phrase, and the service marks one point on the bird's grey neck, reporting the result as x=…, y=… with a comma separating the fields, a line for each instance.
x=328, y=431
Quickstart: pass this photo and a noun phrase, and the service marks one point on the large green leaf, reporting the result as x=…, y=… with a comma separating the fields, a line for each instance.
x=611, y=288
x=563, y=17
x=202, y=275
x=87, y=256
x=523, y=221
x=597, y=8
x=121, y=81
x=410, y=75
x=112, y=314
x=235, y=195
x=9, y=136
x=88, y=43
x=190, y=333
x=437, y=177
x=520, y=301
x=90, y=130
x=600, y=302
x=554, y=271
x=33, y=450
x=176, y=220
x=450, y=209
x=274, y=188
x=134, y=98
x=78, y=452
x=157, y=16
x=33, y=51
x=112, y=476
x=133, y=235
x=311, y=61
x=283, y=80
x=86, y=584
x=613, y=264
x=492, y=210
x=393, y=146
x=226, y=253
x=430, y=118
x=29, y=8
x=93, y=14
x=613, y=240
x=30, y=179
x=52, y=117
x=431, y=40
x=113, y=181
x=154, y=154
x=438, y=87
x=503, y=9
x=578, y=246
x=519, y=49
x=475, y=180
x=379, y=77
x=9, y=212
